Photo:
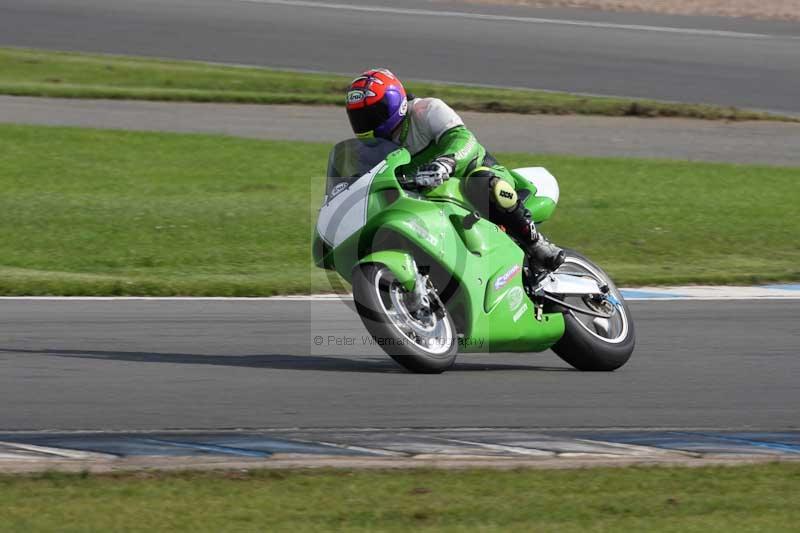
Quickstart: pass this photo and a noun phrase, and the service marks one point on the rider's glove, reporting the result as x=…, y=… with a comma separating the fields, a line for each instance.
x=436, y=172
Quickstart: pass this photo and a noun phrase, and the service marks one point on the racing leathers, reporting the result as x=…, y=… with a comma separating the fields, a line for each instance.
x=442, y=148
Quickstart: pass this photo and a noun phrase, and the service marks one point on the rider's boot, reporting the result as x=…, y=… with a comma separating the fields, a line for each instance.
x=542, y=253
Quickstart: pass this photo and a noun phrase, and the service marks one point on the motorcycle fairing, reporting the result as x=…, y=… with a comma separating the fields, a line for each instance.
x=432, y=225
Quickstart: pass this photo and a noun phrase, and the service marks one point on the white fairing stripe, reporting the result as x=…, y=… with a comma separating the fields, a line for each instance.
x=545, y=183
x=346, y=213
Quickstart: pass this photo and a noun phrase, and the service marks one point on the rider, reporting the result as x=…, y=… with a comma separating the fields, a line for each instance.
x=441, y=148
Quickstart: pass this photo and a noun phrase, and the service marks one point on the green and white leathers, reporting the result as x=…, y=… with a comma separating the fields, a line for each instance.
x=432, y=129
x=431, y=278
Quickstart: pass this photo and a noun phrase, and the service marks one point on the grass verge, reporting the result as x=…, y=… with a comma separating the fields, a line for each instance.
x=746, y=498
x=96, y=212
x=72, y=75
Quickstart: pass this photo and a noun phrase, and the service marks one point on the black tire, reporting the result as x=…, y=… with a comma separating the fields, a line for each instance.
x=367, y=295
x=587, y=351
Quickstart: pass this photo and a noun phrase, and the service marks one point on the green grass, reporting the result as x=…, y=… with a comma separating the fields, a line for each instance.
x=72, y=75
x=746, y=498
x=92, y=212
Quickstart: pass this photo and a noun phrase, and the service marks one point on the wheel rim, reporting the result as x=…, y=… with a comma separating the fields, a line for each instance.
x=428, y=332
x=612, y=330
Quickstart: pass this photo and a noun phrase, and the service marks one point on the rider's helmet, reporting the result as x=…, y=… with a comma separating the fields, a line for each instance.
x=376, y=104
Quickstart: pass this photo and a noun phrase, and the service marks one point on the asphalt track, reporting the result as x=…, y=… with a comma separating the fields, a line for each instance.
x=209, y=365
x=129, y=365
x=771, y=143
x=698, y=59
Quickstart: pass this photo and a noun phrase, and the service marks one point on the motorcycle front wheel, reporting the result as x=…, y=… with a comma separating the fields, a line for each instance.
x=424, y=341
x=591, y=343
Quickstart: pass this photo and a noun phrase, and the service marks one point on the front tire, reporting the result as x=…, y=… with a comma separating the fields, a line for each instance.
x=593, y=344
x=427, y=345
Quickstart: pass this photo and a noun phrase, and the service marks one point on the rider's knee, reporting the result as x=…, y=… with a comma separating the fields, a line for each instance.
x=485, y=188
x=504, y=195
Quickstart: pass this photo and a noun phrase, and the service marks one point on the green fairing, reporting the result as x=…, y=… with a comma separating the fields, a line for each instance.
x=399, y=262
x=541, y=208
x=495, y=312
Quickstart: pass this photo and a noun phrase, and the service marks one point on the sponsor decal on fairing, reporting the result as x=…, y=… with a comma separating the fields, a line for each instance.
x=519, y=313
x=421, y=231
x=339, y=187
x=503, y=280
x=515, y=297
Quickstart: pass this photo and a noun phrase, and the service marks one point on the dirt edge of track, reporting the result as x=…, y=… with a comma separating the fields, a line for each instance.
x=785, y=10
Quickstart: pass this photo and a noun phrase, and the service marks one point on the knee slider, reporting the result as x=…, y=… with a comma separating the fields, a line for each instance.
x=504, y=195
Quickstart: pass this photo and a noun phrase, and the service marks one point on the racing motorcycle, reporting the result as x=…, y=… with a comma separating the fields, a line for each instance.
x=431, y=278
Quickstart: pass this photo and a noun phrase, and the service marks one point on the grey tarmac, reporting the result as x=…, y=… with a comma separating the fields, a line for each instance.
x=770, y=143
x=154, y=365
x=157, y=365
x=745, y=63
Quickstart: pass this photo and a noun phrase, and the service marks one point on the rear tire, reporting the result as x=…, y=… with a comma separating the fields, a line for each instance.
x=587, y=350
x=376, y=293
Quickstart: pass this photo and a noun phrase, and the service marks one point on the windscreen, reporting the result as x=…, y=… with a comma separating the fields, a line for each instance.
x=351, y=159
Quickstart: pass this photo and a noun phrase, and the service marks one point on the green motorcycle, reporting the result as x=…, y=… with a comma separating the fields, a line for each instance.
x=430, y=277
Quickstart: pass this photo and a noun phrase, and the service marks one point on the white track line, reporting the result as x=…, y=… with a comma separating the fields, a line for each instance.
x=667, y=294
x=58, y=452
x=508, y=18
x=355, y=448
x=630, y=449
x=299, y=298
x=517, y=450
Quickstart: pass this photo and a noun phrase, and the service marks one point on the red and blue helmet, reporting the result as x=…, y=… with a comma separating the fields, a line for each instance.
x=376, y=103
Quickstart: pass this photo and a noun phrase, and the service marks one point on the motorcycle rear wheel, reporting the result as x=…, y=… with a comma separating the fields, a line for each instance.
x=591, y=343
x=426, y=345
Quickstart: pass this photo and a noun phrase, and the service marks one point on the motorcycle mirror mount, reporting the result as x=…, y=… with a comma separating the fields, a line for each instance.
x=470, y=220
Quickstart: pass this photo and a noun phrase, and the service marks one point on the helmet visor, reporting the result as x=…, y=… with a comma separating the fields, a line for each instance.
x=368, y=118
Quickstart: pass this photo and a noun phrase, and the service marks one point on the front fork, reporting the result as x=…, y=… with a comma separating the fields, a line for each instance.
x=417, y=298
x=423, y=297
